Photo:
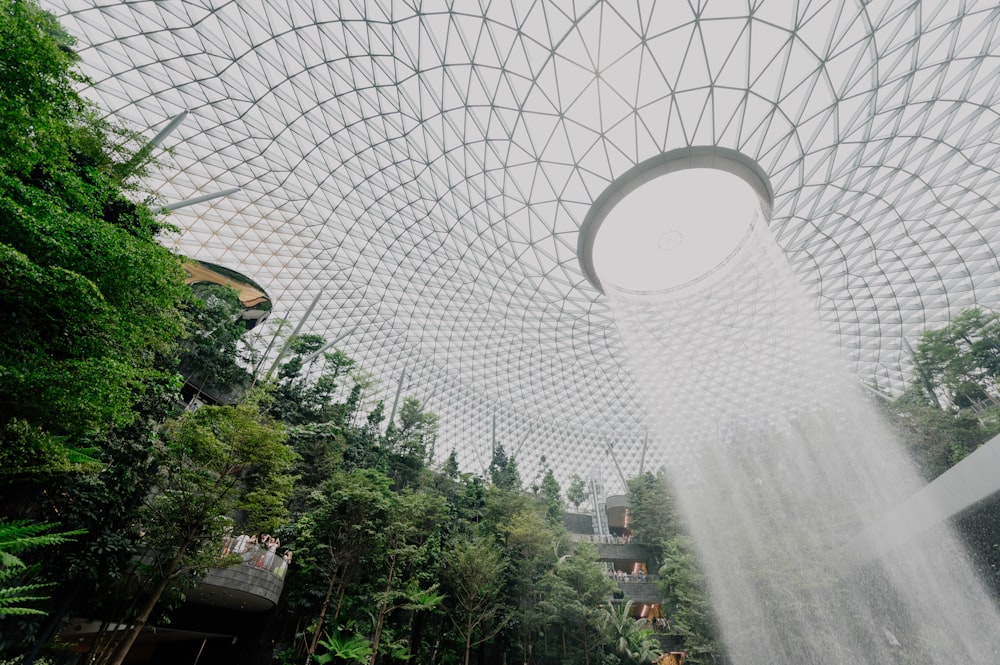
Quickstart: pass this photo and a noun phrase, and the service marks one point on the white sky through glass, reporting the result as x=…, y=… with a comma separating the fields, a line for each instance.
x=674, y=229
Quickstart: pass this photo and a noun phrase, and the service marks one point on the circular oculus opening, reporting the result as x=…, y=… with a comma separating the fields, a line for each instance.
x=672, y=220
x=674, y=230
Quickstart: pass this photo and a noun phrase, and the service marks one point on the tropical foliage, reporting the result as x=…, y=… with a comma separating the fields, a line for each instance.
x=15, y=538
x=633, y=642
x=93, y=313
x=90, y=299
x=687, y=605
x=952, y=407
x=394, y=560
x=959, y=363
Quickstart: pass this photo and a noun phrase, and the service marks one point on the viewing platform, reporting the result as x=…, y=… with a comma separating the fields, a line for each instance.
x=613, y=547
x=252, y=586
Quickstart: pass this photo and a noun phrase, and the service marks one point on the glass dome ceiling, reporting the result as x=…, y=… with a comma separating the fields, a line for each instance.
x=414, y=176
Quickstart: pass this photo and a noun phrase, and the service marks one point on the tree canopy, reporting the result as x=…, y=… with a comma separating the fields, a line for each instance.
x=90, y=299
x=93, y=312
x=395, y=560
x=655, y=521
x=960, y=361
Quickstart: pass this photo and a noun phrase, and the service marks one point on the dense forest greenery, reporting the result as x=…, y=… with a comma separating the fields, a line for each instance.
x=687, y=607
x=116, y=497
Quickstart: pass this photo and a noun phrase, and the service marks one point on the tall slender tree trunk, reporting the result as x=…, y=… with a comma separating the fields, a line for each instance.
x=341, y=592
x=468, y=637
x=436, y=652
x=382, y=609
x=132, y=634
x=526, y=634
x=322, y=615
x=418, y=621
x=53, y=622
x=105, y=640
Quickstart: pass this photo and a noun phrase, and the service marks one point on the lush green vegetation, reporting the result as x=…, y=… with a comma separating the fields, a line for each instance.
x=687, y=605
x=951, y=407
x=15, y=538
x=394, y=560
x=398, y=561
x=93, y=311
x=115, y=499
x=90, y=300
x=950, y=410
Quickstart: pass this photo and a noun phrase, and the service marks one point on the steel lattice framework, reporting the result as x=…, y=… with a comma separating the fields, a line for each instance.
x=414, y=175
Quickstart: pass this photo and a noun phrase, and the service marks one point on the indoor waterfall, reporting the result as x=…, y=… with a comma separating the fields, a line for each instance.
x=779, y=458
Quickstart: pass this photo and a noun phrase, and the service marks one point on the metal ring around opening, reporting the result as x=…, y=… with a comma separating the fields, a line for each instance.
x=673, y=161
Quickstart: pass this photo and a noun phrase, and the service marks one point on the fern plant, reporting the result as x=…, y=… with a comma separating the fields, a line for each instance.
x=17, y=537
x=352, y=648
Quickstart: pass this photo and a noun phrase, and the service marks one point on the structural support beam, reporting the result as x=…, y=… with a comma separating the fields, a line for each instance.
x=129, y=167
x=618, y=467
x=295, y=332
x=395, y=402
x=194, y=199
x=517, y=450
x=315, y=354
x=975, y=478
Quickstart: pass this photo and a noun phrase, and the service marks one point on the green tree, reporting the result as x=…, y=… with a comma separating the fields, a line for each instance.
x=309, y=381
x=961, y=359
x=633, y=640
x=573, y=594
x=652, y=516
x=210, y=360
x=92, y=309
x=408, y=442
x=656, y=523
x=90, y=299
x=474, y=568
x=364, y=443
x=403, y=550
x=936, y=438
x=416, y=428
x=552, y=496
x=688, y=606
x=104, y=503
x=531, y=546
x=212, y=463
x=503, y=470
x=319, y=449
x=576, y=493
x=450, y=469
x=344, y=523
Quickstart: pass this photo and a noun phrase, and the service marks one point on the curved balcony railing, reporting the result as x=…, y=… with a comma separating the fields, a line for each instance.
x=259, y=556
x=254, y=586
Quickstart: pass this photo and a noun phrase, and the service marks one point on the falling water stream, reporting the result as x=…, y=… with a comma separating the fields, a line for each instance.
x=779, y=461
